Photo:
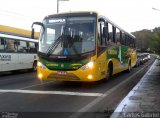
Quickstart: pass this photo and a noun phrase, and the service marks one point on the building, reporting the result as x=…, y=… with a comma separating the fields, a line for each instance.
x=17, y=32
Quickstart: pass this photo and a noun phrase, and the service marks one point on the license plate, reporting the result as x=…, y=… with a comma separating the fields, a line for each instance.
x=61, y=72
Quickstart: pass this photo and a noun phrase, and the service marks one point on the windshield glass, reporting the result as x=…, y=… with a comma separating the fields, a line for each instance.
x=68, y=35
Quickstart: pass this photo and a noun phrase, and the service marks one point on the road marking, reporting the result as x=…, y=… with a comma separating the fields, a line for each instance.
x=42, y=83
x=53, y=92
x=93, y=103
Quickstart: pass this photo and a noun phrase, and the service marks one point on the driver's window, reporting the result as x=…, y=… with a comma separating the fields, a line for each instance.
x=50, y=35
x=102, y=39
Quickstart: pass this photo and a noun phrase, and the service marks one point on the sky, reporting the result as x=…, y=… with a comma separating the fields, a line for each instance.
x=131, y=15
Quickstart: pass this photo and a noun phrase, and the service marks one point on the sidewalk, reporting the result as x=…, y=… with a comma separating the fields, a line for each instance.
x=144, y=99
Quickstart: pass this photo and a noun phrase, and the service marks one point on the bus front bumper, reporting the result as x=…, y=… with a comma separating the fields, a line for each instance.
x=77, y=75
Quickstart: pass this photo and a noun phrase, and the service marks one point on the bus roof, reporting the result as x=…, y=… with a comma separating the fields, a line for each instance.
x=91, y=12
x=70, y=13
x=18, y=38
x=116, y=26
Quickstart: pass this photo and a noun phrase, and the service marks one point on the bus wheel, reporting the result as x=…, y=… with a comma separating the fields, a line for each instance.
x=109, y=71
x=35, y=66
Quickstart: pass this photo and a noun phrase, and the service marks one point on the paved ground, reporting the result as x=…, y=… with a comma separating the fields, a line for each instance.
x=144, y=99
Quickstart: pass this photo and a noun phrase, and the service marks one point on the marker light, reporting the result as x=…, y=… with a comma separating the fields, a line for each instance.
x=90, y=77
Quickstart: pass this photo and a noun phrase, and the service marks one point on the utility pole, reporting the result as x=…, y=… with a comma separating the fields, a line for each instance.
x=58, y=4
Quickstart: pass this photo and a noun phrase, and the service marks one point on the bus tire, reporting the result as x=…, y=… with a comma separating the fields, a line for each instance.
x=35, y=66
x=109, y=71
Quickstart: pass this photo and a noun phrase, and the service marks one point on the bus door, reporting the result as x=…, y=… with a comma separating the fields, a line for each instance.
x=26, y=52
x=23, y=55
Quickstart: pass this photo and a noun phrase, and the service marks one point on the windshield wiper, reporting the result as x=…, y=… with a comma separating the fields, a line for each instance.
x=53, y=46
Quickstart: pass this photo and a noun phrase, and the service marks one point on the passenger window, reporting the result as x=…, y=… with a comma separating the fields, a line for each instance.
x=11, y=45
x=110, y=31
x=114, y=33
x=102, y=37
x=123, y=38
x=32, y=48
x=1, y=45
x=118, y=36
x=22, y=47
x=127, y=40
x=132, y=44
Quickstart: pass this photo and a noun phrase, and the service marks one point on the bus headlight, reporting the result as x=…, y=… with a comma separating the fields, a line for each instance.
x=88, y=65
x=39, y=64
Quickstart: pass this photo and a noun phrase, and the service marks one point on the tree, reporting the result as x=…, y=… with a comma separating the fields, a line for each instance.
x=143, y=37
x=155, y=42
x=148, y=39
x=156, y=29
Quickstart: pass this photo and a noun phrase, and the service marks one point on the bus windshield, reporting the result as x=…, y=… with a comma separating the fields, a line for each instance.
x=67, y=36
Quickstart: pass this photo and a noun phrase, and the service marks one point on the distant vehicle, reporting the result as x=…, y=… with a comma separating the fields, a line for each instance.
x=148, y=56
x=139, y=60
x=142, y=61
x=17, y=53
x=83, y=46
x=145, y=57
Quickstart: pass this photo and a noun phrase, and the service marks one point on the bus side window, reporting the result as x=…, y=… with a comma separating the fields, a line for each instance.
x=114, y=33
x=130, y=41
x=36, y=45
x=2, y=45
x=22, y=47
x=133, y=43
x=123, y=38
x=126, y=40
x=118, y=36
x=110, y=32
x=32, y=47
x=10, y=45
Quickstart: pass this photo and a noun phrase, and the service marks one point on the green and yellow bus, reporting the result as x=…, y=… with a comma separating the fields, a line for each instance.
x=83, y=46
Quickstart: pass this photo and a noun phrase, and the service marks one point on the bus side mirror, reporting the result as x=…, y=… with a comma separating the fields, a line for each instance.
x=36, y=23
x=32, y=33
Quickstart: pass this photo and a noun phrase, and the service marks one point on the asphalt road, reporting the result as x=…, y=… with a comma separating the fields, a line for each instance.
x=22, y=95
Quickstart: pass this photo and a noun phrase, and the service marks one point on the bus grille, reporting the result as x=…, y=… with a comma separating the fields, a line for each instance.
x=68, y=76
